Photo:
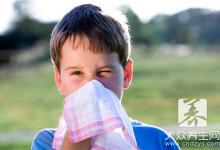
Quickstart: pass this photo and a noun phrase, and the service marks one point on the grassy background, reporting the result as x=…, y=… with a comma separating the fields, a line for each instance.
x=15, y=146
x=160, y=81
x=29, y=99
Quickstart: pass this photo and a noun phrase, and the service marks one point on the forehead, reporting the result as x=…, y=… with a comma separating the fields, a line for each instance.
x=85, y=43
x=78, y=51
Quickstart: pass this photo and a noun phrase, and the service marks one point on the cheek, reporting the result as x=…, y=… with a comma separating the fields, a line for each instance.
x=115, y=84
x=70, y=85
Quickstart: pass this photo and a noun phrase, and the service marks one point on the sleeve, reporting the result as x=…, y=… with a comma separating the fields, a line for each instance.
x=151, y=137
x=43, y=140
x=170, y=144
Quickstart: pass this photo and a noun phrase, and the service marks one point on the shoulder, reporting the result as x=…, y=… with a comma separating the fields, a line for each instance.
x=43, y=140
x=152, y=137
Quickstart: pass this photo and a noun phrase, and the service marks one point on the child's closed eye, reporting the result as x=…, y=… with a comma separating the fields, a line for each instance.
x=104, y=73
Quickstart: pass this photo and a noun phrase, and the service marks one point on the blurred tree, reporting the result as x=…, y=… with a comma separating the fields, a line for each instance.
x=198, y=26
x=139, y=32
x=21, y=8
x=178, y=31
x=158, y=28
x=25, y=30
x=186, y=27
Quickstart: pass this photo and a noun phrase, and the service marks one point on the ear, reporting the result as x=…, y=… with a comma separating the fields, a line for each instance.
x=128, y=73
x=58, y=81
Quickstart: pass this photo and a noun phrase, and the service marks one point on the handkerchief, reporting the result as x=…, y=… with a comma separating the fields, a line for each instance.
x=95, y=111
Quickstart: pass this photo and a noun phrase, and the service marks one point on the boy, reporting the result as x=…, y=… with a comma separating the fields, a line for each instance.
x=86, y=45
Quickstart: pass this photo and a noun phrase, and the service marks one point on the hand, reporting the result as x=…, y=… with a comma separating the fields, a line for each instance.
x=82, y=145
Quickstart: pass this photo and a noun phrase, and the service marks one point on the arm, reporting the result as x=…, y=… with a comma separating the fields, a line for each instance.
x=82, y=145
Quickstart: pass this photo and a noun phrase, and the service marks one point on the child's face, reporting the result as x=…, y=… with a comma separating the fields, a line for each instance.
x=79, y=65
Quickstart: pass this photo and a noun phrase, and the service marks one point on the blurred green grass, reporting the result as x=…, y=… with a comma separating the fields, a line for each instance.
x=29, y=99
x=160, y=81
x=15, y=145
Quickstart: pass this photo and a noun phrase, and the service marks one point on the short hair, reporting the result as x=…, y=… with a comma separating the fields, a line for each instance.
x=104, y=32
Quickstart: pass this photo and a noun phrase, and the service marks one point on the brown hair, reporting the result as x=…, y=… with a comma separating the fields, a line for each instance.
x=104, y=32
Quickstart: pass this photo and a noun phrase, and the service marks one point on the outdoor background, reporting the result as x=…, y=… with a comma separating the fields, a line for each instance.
x=175, y=56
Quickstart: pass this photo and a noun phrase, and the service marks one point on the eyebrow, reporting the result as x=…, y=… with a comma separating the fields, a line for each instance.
x=72, y=67
x=107, y=66
x=102, y=67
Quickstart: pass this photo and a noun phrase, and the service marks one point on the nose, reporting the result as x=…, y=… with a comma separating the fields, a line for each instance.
x=91, y=76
